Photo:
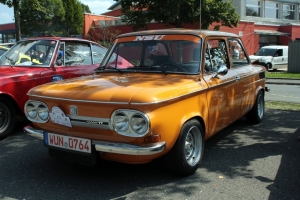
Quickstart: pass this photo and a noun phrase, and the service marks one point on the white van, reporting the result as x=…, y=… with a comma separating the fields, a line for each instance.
x=271, y=55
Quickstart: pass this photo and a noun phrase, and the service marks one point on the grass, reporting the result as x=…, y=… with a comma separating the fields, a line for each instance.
x=282, y=105
x=288, y=75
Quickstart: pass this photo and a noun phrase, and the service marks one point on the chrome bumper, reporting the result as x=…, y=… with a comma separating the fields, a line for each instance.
x=110, y=147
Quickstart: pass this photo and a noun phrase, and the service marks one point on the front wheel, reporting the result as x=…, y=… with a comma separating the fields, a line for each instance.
x=256, y=114
x=8, y=117
x=268, y=66
x=185, y=156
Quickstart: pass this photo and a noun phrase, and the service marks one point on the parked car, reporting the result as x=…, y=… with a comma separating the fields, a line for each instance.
x=3, y=49
x=8, y=45
x=32, y=62
x=269, y=56
x=157, y=94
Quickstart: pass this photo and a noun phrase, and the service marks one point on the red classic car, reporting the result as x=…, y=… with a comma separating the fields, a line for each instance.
x=35, y=61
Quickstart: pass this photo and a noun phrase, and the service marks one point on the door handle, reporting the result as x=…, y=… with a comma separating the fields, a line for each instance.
x=237, y=78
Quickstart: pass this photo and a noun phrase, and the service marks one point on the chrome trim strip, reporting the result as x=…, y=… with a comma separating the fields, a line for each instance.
x=111, y=147
x=127, y=149
x=90, y=122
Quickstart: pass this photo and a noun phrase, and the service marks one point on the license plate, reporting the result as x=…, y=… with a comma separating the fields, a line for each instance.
x=68, y=142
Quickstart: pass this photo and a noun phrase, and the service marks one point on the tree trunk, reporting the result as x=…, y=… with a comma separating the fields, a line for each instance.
x=17, y=19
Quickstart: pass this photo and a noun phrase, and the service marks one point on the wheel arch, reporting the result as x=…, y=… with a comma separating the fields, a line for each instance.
x=12, y=100
x=199, y=119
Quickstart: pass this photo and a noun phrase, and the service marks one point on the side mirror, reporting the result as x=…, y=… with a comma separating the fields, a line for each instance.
x=223, y=70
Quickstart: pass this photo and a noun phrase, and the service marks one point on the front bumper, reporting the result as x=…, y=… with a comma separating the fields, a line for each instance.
x=111, y=147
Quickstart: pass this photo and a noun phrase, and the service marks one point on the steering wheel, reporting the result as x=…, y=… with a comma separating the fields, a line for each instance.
x=169, y=66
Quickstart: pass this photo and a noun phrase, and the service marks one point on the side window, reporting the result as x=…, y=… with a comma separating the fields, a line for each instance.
x=215, y=55
x=77, y=54
x=278, y=53
x=98, y=53
x=237, y=53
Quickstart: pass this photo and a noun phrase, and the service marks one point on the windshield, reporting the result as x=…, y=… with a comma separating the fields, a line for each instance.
x=29, y=53
x=266, y=52
x=156, y=53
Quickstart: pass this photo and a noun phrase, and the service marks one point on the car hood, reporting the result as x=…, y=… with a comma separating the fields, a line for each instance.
x=125, y=88
x=258, y=57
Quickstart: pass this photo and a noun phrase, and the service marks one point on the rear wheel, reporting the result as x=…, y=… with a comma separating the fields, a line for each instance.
x=185, y=156
x=8, y=117
x=256, y=114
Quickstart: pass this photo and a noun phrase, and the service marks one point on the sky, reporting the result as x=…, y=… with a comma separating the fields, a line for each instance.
x=96, y=6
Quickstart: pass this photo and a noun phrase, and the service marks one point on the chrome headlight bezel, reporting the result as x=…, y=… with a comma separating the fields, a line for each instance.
x=40, y=108
x=131, y=129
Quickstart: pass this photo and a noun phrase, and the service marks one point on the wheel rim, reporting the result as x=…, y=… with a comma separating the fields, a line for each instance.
x=193, y=146
x=260, y=106
x=4, y=118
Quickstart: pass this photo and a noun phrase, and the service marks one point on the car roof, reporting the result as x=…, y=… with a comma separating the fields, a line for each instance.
x=180, y=31
x=275, y=46
x=62, y=38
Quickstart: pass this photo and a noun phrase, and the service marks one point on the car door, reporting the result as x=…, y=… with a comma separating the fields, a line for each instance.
x=278, y=57
x=223, y=97
x=76, y=61
x=242, y=66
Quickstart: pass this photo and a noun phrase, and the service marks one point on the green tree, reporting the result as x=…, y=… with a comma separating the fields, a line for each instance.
x=73, y=23
x=85, y=8
x=179, y=12
x=45, y=20
x=103, y=35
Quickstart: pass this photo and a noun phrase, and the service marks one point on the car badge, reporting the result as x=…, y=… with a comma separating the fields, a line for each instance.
x=73, y=110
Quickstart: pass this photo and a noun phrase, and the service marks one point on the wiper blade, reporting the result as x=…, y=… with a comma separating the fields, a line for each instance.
x=102, y=69
x=10, y=61
x=158, y=68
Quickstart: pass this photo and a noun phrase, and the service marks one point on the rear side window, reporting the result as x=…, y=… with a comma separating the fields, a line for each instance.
x=77, y=54
x=98, y=53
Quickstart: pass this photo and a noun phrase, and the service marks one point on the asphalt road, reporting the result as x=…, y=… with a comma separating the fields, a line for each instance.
x=283, y=93
x=241, y=162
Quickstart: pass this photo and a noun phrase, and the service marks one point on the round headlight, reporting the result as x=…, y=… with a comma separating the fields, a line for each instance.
x=43, y=113
x=121, y=122
x=31, y=110
x=139, y=124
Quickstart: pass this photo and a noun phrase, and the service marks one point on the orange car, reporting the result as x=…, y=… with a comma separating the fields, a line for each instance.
x=170, y=91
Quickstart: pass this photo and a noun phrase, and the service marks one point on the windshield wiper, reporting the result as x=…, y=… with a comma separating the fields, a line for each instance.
x=102, y=69
x=10, y=61
x=147, y=68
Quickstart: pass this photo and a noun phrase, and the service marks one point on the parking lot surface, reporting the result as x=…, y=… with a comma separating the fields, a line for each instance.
x=241, y=162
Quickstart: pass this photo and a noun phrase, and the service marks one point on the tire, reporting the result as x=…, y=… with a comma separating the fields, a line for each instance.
x=8, y=117
x=268, y=66
x=185, y=156
x=256, y=114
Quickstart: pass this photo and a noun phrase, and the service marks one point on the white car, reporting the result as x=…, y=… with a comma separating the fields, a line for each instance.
x=271, y=55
